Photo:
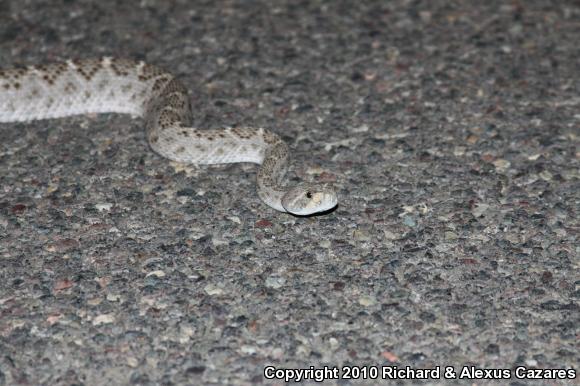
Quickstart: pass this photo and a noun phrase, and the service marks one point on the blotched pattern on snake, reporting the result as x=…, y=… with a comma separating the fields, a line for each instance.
x=124, y=86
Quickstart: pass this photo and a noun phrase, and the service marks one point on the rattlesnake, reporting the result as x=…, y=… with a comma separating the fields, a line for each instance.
x=124, y=86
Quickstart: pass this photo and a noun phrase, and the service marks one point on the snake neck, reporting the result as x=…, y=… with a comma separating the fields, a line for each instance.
x=271, y=172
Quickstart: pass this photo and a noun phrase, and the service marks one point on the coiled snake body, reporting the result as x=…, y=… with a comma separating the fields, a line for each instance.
x=124, y=86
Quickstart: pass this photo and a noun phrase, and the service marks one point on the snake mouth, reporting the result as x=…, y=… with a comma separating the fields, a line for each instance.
x=323, y=212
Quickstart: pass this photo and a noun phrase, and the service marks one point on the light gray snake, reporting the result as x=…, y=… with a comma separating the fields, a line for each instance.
x=124, y=86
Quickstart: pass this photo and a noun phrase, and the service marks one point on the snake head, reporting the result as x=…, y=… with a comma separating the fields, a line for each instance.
x=306, y=199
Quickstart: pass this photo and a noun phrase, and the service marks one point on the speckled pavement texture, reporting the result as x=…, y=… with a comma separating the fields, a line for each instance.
x=449, y=128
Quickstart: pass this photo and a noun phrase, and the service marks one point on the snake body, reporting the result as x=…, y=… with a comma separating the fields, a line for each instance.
x=110, y=85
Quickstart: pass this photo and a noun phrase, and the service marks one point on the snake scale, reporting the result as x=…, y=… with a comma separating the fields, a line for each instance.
x=110, y=85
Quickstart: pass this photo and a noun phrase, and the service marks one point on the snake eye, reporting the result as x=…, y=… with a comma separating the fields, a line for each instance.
x=308, y=194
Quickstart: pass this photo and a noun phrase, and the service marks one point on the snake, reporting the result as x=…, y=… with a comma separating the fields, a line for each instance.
x=126, y=86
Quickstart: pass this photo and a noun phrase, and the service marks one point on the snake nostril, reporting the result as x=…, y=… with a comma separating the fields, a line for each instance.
x=309, y=194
